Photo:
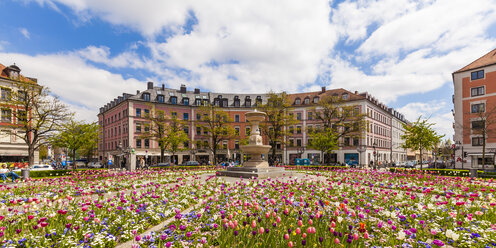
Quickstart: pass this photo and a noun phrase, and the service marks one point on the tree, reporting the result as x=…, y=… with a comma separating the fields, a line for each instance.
x=482, y=125
x=325, y=141
x=215, y=122
x=419, y=135
x=74, y=135
x=277, y=121
x=167, y=131
x=339, y=120
x=37, y=114
x=90, y=144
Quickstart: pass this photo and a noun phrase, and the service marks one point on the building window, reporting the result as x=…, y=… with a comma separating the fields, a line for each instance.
x=147, y=143
x=138, y=143
x=298, y=142
x=291, y=129
x=174, y=114
x=310, y=129
x=198, y=130
x=291, y=142
x=298, y=116
x=307, y=100
x=345, y=96
x=478, y=125
x=138, y=112
x=236, y=144
x=198, y=102
x=138, y=127
x=477, y=141
x=186, y=101
x=186, y=129
x=6, y=115
x=173, y=100
x=147, y=112
x=259, y=100
x=5, y=94
x=355, y=142
x=477, y=75
x=310, y=116
x=224, y=145
x=236, y=131
x=346, y=141
x=478, y=108
x=237, y=103
x=236, y=118
x=21, y=116
x=146, y=97
x=147, y=127
x=298, y=129
x=478, y=91
x=316, y=99
x=161, y=98
x=185, y=116
x=297, y=101
x=247, y=131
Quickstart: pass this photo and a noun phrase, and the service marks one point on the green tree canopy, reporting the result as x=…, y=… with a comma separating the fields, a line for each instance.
x=325, y=141
x=420, y=135
x=277, y=121
x=74, y=135
x=215, y=122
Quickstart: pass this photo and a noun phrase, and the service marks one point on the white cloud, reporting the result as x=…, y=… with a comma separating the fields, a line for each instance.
x=83, y=87
x=436, y=112
x=3, y=44
x=24, y=33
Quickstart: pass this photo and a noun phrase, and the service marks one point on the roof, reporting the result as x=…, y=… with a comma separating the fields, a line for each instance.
x=333, y=92
x=4, y=69
x=488, y=59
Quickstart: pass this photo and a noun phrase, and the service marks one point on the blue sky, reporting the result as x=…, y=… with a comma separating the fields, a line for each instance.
x=401, y=51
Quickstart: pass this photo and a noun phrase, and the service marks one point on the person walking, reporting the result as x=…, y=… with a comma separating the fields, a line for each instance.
x=142, y=163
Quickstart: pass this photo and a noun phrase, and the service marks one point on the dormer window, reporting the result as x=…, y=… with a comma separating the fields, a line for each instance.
x=259, y=100
x=197, y=102
x=173, y=100
x=161, y=98
x=345, y=96
x=307, y=100
x=236, y=101
x=216, y=102
x=186, y=101
x=224, y=103
x=247, y=101
x=146, y=97
x=298, y=101
x=316, y=99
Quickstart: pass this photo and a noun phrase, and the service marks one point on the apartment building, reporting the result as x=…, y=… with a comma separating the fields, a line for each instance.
x=474, y=102
x=121, y=122
x=12, y=148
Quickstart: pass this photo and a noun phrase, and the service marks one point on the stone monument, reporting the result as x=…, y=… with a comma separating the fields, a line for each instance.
x=255, y=166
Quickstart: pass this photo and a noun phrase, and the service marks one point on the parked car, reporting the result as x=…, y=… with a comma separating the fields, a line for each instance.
x=41, y=167
x=161, y=165
x=95, y=165
x=410, y=164
x=191, y=163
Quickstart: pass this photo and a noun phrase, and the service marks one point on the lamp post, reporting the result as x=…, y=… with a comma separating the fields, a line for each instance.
x=458, y=143
x=361, y=149
x=300, y=151
x=193, y=153
x=375, y=155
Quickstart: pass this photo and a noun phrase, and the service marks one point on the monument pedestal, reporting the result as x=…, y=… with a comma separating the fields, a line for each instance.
x=255, y=172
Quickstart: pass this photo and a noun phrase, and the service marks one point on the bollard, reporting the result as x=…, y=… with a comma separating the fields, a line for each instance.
x=473, y=173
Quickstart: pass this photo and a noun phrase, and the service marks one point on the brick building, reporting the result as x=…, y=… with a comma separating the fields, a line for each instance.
x=474, y=102
x=121, y=123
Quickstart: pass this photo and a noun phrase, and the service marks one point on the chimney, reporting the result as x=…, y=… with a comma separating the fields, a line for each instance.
x=163, y=86
x=150, y=85
x=356, y=92
x=183, y=88
x=197, y=91
x=323, y=89
x=137, y=92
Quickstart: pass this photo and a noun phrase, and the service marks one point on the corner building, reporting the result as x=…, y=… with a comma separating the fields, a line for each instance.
x=121, y=124
x=474, y=103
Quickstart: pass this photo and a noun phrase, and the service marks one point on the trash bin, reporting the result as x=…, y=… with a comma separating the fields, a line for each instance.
x=25, y=173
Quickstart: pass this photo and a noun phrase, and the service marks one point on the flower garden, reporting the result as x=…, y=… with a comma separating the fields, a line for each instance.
x=195, y=208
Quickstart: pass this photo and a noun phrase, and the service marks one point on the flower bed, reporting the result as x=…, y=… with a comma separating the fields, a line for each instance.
x=325, y=208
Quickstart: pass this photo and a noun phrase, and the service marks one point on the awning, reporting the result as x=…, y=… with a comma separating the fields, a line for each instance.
x=480, y=154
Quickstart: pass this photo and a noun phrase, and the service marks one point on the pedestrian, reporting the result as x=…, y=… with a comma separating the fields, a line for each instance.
x=142, y=163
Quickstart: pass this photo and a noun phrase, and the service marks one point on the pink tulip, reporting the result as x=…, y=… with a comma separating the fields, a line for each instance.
x=290, y=244
x=336, y=241
x=286, y=236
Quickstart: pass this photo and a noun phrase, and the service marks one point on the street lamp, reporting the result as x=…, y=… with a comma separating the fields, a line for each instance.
x=193, y=152
x=300, y=151
x=361, y=149
x=375, y=155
